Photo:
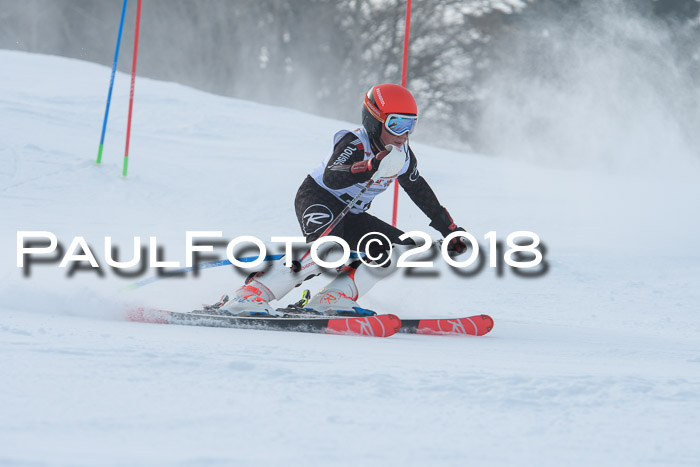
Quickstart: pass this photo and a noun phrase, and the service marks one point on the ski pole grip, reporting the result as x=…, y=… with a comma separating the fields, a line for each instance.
x=387, y=150
x=390, y=167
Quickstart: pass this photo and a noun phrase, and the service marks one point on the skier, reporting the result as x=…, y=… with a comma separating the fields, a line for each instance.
x=379, y=150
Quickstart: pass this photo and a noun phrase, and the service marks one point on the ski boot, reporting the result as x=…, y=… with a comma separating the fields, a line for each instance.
x=338, y=297
x=249, y=301
x=260, y=288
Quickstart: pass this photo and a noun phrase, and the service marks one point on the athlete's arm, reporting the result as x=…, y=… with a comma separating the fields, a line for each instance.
x=348, y=153
x=424, y=197
x=419, y=191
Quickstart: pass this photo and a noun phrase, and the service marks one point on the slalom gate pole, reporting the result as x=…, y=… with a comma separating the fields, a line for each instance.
x=133, y=83
x=404, y=69
x=111, y=83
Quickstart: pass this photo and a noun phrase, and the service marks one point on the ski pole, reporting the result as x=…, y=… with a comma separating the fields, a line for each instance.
x=346, y=209
x=111, y=84
x=342, y=214
x=404, y=70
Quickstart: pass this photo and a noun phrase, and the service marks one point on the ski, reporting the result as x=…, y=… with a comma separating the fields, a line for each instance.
x=477, y=325
x=375, y=326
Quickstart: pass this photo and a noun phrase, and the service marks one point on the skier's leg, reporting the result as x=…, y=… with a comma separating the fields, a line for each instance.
x=260, y=288
x=315, y=209
x=356, y=279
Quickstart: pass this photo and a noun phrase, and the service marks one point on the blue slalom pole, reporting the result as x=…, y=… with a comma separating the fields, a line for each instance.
x=210, y=264
x=207, y=265
x=111, y=83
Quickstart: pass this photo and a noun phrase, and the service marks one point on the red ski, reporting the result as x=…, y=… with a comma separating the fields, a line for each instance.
x=474, y=326
x=375, y=326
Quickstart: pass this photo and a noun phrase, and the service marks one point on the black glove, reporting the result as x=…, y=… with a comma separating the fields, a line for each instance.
x=457, y=245
x=444, y=224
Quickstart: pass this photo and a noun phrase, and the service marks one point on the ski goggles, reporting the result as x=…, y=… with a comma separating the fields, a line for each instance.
x=398, y=124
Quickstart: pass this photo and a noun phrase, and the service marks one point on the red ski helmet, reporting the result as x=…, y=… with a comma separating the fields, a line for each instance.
x=383, y=100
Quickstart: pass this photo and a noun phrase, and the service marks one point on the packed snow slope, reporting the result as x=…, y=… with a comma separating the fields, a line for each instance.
x=594, y=362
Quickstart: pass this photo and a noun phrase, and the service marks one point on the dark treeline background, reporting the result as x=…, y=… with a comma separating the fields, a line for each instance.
x=321, y=56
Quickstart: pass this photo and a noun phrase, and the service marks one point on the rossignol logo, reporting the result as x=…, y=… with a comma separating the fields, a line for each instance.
x=366, y=327
x=316, y=217
x=414, y=175
x=379, y=95
x=329, y=299
x=457, y=326
x=344, y=156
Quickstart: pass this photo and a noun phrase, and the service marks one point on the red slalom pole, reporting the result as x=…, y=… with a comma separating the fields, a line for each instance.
x=404, y=69
x=133, y=84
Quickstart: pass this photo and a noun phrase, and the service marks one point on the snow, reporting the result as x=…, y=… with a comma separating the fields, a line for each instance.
x=595, y=362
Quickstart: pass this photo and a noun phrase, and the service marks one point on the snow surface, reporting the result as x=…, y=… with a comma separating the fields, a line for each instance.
x=595, y=362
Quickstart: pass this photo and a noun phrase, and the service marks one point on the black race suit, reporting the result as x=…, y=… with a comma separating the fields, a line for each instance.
x=316, y=207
